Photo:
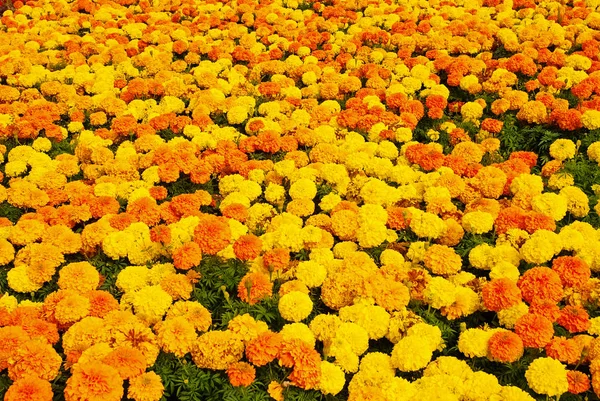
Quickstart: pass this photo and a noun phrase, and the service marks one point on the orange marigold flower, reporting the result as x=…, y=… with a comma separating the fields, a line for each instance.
x=276, y=259
x=572, y=270
x=579, y=382
x=161, y=233
x=212, y=234
x=101, y=303
x=11, y=339
x=255, y=286
x=35, y=357
x=530, y=158
x=241, y=374
x=29, y=388
x=158, y=192
x=128, y=361
x=187, y=256
x=541, y=283
x=236, y=211
x=247, y=247
x=103, y=205
x=398, y=218
x=500, y=294
x=146, y=387
x=264, y=348
x=545, y=307
x=505, y=346
x=41, y=328
x=145, y=210
x=95, y=381
x=535, y=330
x=574, y=318
x=564, y=349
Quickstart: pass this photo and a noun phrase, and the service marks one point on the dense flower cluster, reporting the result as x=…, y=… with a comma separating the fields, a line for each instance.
x=383, y=191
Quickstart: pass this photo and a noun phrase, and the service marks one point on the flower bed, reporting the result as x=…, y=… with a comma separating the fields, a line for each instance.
x=348, y=200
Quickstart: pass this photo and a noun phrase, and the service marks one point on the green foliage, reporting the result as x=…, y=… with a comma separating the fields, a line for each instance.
x=516, y=136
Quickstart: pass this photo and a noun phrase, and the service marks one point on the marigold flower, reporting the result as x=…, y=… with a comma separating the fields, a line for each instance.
x=29, y=388
x=535, y=330
x=541, y=283
x=187, y=256
x=212, y=234
x=35, y=357
x=95, y=381
x=255, y=286
x=146, y=387
x=241, y=374
x=579, y=382
x=500, y=294
x=505, y=346
x=128, y=361
x=574, y=318
x=247, y=247
x=547, y=376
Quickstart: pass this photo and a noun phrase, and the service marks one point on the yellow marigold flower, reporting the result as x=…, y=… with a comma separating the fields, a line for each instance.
x=81, y=277
x=477, y=222
x=593, y=151
x=176, y=336
x=333, y=378
x=151, y=303
x=509, y=316
x=295, y=306
x=411, y=354
x=374, y=319
x=440, y=293
x=578, y=204
x=7, y=252
x=19, y=280
x=427, y=225
x=550, y=204
x=481, y=386
x=324, y=326
x=547, y=376
x=311, y=273
x=563, y=149
x=474, y=342
x=431, y=335
x=299, y=331
x=217, y=350
x=146, y=387
x=356, y=336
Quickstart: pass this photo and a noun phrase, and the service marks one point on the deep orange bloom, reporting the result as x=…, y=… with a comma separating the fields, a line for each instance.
x=241, y=374
x=564, y=349
x=161, y=233
x=505, y=346
x=574, y=318
x=541, y=283
x=212, y=234
x=545, y=307
x=264, y=348
x=500, y=294
x=572, y=270
x=579, y=382
x=11, y=338
x=398, y=218
x=29, y=388
x=247, y=247
x=187, y=256
x=254, y=286
x=236, y=211
x=535, y=330
x=145, y=210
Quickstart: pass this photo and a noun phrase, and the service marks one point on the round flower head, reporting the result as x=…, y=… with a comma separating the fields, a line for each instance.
x=500, y=294
x=410, y=354
x=94, y=381
x=241, y=374
x=563, y=149
x=333, y=378
x=254, y=287
x=146, y=387
x=535, y=330
x=80, y=277
x=477, y=222
x=505, y=346
x=295, y=306
x=35, y=357
x=547, y=376
x=442, y=260
x=29, y=388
